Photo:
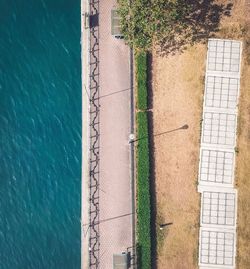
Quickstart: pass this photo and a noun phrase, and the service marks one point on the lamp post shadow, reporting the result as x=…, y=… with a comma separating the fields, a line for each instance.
x=163, y=225
x=184, y=127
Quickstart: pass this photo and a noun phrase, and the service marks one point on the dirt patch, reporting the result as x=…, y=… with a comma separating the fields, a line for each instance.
x=178, y=85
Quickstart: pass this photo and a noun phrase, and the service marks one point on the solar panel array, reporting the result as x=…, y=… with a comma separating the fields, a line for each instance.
x=217, y=243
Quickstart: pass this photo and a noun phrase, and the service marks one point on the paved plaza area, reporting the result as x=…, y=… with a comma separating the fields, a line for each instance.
x=217, y=242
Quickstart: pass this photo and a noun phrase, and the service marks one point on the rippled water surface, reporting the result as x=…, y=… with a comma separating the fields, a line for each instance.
x=40, y=134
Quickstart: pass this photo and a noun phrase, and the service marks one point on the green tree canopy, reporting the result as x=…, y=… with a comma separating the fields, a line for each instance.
x=146, y=21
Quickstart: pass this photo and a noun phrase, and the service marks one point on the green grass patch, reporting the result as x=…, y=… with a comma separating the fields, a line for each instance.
x=143, y=193
x=141, y=78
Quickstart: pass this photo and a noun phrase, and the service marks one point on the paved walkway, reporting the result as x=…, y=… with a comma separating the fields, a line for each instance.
x=107, y=217
x=115, y=193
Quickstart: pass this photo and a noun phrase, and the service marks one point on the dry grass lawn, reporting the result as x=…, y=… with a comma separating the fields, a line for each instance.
x=178, y=84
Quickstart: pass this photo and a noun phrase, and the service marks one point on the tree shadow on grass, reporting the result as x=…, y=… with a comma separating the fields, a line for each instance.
x=201, y=22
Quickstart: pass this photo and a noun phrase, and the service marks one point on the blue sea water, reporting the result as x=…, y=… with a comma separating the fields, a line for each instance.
x=40, y=134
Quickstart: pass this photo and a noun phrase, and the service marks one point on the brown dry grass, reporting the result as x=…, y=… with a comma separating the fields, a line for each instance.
x=243, y=172
x=243, y=157
x=178, y=84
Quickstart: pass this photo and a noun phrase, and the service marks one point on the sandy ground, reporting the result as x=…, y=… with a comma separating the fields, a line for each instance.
x=178, y=85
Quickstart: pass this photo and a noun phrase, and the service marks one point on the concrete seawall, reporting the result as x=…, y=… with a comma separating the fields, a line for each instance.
x=85, y=136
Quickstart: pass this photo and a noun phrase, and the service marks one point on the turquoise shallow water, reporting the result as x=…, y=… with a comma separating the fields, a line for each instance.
x=40, y=134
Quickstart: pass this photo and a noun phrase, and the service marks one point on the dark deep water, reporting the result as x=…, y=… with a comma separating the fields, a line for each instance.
x=40, y=134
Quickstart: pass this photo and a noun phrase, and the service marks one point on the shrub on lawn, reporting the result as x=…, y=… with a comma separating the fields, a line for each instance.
x=141, y=77
x=143, y=192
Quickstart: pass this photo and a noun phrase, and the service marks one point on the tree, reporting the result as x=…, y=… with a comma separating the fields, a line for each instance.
x=144, y=22
x=170, y=24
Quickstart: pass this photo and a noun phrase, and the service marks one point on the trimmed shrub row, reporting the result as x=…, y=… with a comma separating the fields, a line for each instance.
x=143, y=193
x=141, y=77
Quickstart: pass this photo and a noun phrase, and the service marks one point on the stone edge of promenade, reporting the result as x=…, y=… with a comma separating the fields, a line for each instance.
x=85, y=136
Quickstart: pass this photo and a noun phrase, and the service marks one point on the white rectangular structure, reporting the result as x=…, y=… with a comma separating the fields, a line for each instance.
x=218, y=208
x=216, y=167
x=218, y=216
x=221, y=92
x=219, y=129
x=224, y=56
x=217, y=248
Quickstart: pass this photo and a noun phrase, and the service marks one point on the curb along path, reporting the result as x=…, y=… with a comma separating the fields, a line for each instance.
x=90, y=137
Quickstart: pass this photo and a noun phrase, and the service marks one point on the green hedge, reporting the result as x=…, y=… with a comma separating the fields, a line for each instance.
x=141, y=77
x=143, y=192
